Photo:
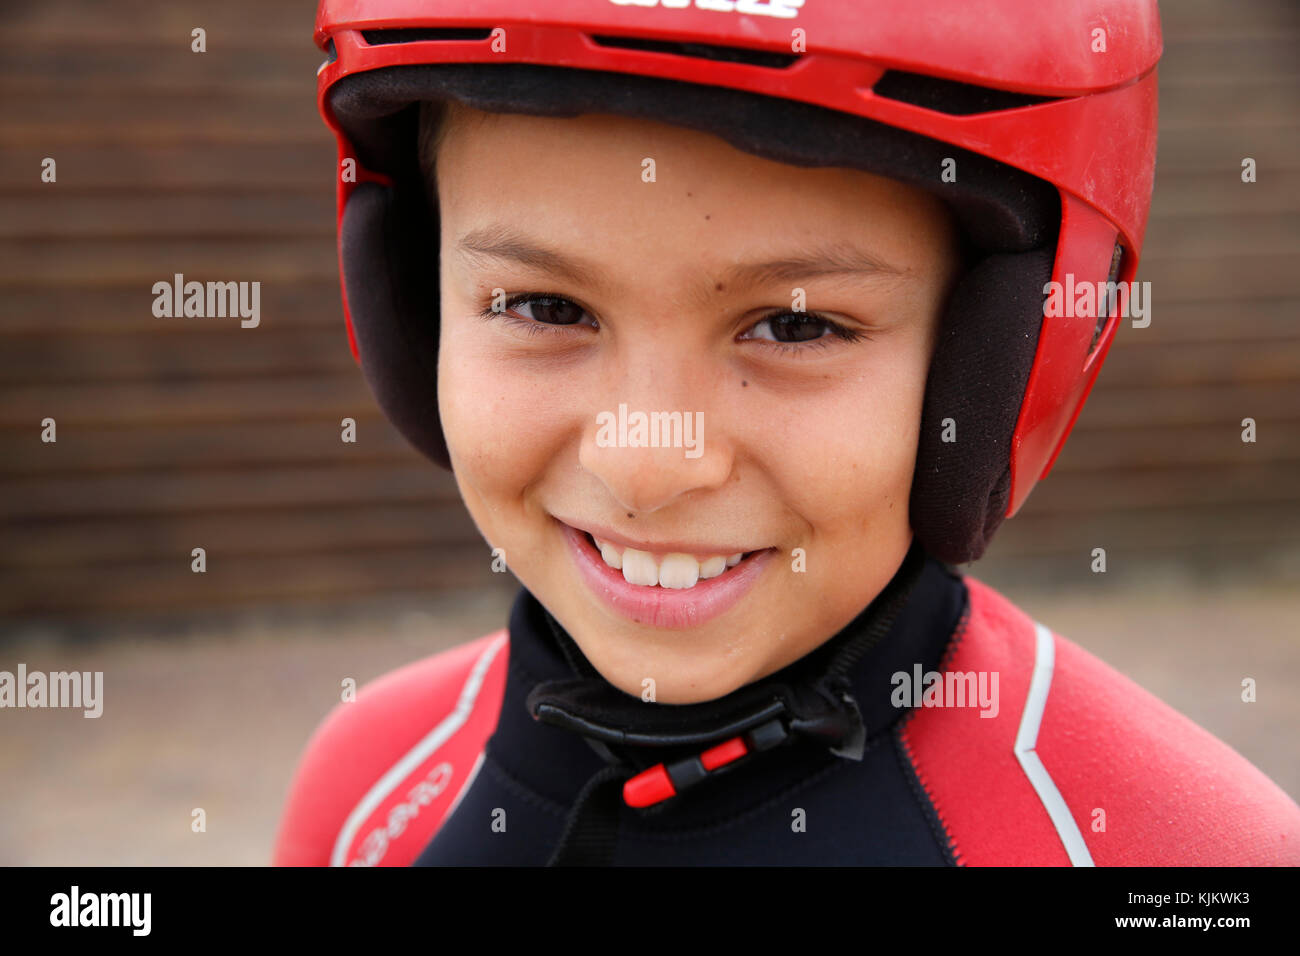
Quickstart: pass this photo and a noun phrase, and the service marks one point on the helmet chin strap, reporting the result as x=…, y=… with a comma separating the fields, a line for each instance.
x=653, y=752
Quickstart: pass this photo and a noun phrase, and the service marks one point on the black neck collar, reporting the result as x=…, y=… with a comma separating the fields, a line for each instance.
x=838, y=696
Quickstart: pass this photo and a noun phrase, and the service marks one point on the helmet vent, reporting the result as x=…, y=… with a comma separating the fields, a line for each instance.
x=1103, y=304
x=949, y=96
x=331, y=55
x=423, y=34
x=702, y=51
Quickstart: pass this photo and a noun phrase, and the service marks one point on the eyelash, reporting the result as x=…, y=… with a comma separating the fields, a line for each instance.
x=528, y=325
x=531, y=327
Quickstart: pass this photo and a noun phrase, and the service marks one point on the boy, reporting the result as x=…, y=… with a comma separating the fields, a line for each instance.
x=727, y=371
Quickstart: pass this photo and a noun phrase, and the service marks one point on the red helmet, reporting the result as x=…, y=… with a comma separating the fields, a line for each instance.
x=1048, y=108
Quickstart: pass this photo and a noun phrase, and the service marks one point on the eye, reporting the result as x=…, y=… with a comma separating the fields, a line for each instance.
x=796, y=328
x=542, y=309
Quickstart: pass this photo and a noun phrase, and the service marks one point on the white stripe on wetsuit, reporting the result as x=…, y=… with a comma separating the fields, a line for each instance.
x=417, y=754
x=1027, y=739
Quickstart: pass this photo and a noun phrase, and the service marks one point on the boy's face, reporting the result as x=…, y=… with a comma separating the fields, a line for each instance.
x=786, y=314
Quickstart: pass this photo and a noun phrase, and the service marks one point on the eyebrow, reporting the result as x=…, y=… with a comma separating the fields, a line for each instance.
x=498, y=242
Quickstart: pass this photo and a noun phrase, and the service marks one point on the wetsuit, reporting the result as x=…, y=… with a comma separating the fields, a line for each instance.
x=512, y=750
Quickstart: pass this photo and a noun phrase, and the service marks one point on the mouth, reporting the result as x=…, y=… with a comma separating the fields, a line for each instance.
x=677, y=570
x=672, y=589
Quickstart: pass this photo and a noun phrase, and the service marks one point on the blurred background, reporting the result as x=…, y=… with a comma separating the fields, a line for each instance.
x=328, y=560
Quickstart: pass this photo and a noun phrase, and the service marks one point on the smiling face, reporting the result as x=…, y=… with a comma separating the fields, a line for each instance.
x=787, y=315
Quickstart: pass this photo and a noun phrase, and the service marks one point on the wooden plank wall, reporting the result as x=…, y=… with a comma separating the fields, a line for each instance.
x=177, y=434
x=1155, y=471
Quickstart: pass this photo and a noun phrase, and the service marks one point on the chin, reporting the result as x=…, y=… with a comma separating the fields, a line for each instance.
x=677, y=682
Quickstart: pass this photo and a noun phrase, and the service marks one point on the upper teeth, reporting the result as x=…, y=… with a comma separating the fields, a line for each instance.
x=674, y=570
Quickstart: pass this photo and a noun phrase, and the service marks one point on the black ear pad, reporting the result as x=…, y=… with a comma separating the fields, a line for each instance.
x=987, y=339
x=390, y=247
x=988, y=334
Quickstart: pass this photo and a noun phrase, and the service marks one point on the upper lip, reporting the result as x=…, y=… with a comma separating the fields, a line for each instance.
x=655, y=547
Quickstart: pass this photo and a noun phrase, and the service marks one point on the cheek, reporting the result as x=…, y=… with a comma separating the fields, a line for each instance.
x=849, y=465
x=498, y=434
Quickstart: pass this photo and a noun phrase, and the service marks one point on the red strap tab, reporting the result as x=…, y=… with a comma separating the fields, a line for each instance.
x=654, y=785
x=648, y=787
x=724, y=753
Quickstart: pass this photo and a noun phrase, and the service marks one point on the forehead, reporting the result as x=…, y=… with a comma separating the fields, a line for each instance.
x=621, y=183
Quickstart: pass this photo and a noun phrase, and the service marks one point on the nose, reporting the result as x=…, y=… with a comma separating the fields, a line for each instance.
x=658, y=440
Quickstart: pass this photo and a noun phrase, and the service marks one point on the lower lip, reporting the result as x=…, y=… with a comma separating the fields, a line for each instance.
x=674, y=608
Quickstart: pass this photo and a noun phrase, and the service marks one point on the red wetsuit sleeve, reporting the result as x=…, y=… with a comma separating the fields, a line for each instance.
x=1081, y=765
x=381, y=773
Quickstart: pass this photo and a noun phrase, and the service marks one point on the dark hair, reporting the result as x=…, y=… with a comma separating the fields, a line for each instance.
x=432, y=131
